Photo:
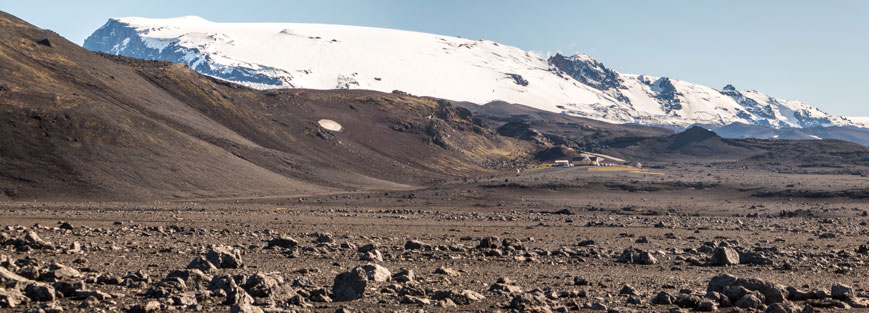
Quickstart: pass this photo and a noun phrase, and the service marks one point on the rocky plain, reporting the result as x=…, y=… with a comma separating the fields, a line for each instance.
x=669, y=239
x=142, y=186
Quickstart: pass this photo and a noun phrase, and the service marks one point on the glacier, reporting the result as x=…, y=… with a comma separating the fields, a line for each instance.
x=320, y=56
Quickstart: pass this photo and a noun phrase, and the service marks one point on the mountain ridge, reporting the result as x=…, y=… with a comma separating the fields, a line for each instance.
x=320, y=56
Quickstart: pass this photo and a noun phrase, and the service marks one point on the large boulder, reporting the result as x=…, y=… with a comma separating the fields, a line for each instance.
x=40, y=292
x=200, y=263
x=530, y=302
x=372, y=255
x=723, y=256
x=238, y=296
x=282, y=242
x=35, y=241
x=415, y=245
x=772, y=293
x=377, y=273
x=263, y=285
x=224, y=257
x=489, y=243
x=59, y=272
x=189, y=277
x=749, y=301
x=636, y=256
x=842, y=292
x=663, y=298
x=222, y=285
x=350, y=285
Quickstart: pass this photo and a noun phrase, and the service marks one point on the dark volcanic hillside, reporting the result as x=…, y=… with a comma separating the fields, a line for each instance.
x=555, y=129
x=738, y=130
x=78, y=125
x=697, y=144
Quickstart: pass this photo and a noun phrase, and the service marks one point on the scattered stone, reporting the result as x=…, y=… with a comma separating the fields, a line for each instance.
x=149, y=307
x=842, y=292
x=636, y=256
x=372, y=255
x=749, y=301
x=489, y=243
x=447, y=271
x=528, y=302
x=368, y=247
x=404, y=276
x=8, y=278
x=268, y=286
x=772, y=293
x=325, y=238
x=664, y=298
x=200, y=263
x=579, y=281
x=282, y=242
x=757, y=259
x=109, y=279
x=185, y=299
x=59, y=272
x=11, y=298
x=784, y=308
x=407, y=299
x=724, y=256
x=829, y=303
x=245, y=308
x=40, y=292
x=377, y=273
x=586, y=243
x=33, y=240
x=95, y=294
x=74, y=248
x=706, y=306
x=628, y=290
x=414, y=245
x=505, y=286
x=463, y=297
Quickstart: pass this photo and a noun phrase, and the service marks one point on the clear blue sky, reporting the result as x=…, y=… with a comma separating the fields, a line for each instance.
x=813, y=51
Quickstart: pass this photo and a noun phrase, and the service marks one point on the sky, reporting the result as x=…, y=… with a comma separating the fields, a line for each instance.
x=812, y=51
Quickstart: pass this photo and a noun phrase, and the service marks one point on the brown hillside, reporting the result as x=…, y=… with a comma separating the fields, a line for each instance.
x=83, y=125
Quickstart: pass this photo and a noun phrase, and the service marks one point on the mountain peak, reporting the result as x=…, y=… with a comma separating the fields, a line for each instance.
x=188, y=19
x=580, y=57
x=586, y=70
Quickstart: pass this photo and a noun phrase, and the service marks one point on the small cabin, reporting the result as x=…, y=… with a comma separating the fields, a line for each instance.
x=562, y=163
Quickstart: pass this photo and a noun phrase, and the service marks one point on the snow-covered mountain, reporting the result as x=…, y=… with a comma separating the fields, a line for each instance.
x=273, y=55
x=863, y=119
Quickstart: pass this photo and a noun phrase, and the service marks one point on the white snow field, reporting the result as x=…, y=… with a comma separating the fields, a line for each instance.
x=316, y=56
